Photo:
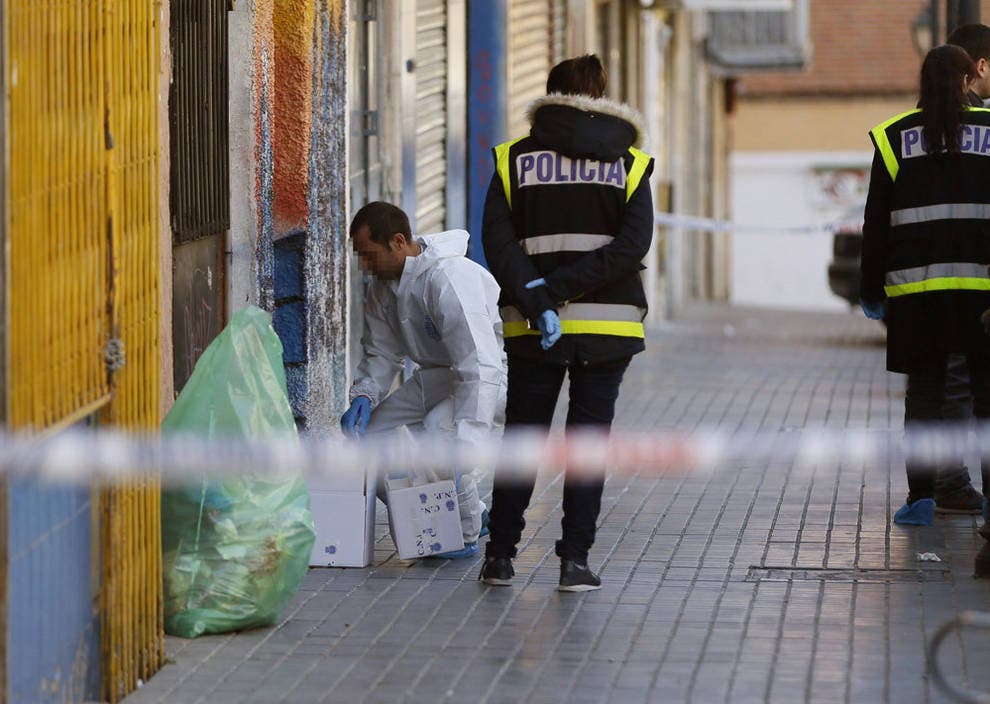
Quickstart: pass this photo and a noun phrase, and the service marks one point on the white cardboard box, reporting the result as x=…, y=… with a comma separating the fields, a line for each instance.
x=425, y=519
x=344, y=517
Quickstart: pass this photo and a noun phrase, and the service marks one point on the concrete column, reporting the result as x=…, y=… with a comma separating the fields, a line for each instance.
x=164, y=215
x=487, y=22
x=327, y=253
x=251, y=96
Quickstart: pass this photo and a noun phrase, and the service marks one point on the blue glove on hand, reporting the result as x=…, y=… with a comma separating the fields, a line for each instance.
x=536, y=282
x=874, y=310
x=549, y=325
x=355, y=421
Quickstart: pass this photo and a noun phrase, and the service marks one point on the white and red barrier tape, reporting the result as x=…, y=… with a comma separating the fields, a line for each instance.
x=81, y=456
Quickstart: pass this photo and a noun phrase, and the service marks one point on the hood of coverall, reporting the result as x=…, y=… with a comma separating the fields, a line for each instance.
x=583, y=127
x=442, y=245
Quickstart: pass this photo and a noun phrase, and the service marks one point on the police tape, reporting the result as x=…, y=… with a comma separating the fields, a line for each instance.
x=110, y=455
x=690, y=222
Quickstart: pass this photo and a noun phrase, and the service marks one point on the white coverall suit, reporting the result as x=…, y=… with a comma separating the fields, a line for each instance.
x=442, y=314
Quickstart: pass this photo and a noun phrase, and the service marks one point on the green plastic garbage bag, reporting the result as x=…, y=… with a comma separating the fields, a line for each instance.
x=235, y=547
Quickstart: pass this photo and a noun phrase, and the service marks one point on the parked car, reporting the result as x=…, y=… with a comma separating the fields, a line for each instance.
x=847, y=246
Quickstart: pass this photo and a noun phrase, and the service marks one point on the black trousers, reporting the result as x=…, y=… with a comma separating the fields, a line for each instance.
x=957, y=407
x=924, y=403
x=531, y=398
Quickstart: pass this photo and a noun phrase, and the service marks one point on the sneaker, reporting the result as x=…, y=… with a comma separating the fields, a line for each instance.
x=919, y=513
x=484, y=524
x=982, y=567
x=575, y=577
x=964, y=500
x=468, y=550
x=497, y=571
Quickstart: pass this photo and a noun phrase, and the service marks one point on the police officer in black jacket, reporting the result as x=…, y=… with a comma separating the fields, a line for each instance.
x=568, y=219
x=926, y=249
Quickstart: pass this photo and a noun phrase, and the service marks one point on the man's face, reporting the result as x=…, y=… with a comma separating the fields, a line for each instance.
x=981, y=83
x=378, y=260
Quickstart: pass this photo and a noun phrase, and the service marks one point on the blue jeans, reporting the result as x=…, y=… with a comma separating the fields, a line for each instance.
x=532, y=396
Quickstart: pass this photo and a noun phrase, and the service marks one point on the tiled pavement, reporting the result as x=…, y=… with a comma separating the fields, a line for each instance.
x=735, y=586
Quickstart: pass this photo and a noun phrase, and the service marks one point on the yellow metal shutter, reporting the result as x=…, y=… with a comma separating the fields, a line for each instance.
x=84, y=292
x=530, y=53
x=431, y=115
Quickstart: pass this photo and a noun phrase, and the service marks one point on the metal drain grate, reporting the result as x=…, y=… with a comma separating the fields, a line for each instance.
x=758, y=573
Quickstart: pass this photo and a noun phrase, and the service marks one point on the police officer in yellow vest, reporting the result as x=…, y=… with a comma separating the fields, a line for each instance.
x=926, y=248
x=568, y=219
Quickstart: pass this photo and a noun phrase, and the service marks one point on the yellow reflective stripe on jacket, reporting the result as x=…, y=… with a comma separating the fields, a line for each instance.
x=616, y=319
x=640, y=161
x=948, y=283
x=938, y=276
x=616, y=328
x=502, y=167
x=883, y=143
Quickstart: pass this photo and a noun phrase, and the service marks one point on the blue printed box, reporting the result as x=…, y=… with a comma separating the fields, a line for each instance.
x=425, y=519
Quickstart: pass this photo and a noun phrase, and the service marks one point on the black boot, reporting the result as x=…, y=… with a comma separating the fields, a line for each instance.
x=575, y=577
x=982, y=567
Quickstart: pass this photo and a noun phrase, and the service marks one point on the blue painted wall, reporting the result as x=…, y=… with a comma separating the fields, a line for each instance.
x=487, y=26
x=53, y=638
x=289, y=319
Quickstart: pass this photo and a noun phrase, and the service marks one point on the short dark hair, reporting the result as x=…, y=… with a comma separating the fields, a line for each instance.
x=583, y=75
x=974, y=38
x=382, y=220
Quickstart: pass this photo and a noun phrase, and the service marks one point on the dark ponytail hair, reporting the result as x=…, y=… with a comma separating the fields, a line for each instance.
x=583, y=75
x=943, y=96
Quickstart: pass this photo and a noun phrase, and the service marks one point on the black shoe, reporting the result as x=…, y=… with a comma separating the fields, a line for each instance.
x=964, y=500
x=577, y=578
x=497, y=571
x=982, y=567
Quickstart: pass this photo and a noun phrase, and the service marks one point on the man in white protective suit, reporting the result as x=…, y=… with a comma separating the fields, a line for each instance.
x=428, y=303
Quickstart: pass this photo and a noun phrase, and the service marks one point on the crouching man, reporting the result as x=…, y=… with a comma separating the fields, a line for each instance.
x=429, y=303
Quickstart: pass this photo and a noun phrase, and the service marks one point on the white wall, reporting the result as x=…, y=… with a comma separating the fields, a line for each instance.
x=781, y=189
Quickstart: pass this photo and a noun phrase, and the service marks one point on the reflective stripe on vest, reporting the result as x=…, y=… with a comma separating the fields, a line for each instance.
x=942, y=211
x=615, y=319
x=564, y=242
x=883, y=144
x=946, y=276
x=502, y=167
x=641, y=160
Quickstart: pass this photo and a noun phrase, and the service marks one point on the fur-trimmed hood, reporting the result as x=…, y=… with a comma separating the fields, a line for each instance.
x=579, y=126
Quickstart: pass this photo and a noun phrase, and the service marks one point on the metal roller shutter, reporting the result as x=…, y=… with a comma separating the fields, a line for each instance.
x=431, y=115
x=530, y=54
x=559, y=29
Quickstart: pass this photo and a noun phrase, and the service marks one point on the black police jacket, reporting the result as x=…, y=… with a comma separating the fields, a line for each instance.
x=571, y=203
x=926, y=239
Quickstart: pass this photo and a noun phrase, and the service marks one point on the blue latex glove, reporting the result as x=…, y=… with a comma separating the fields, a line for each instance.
x=874, y=310
x=355, y=421
x=536, y=282
x=549, y=325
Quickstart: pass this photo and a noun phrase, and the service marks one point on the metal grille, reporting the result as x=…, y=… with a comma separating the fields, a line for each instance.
x=131, y=628
x=755, y=40
x=59, y=319
x=200, y=186
x=431, y=115
x=84, y=243
x=530, y=47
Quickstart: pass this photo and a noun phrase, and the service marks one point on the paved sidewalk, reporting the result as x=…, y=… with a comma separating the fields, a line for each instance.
x=751, y=584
